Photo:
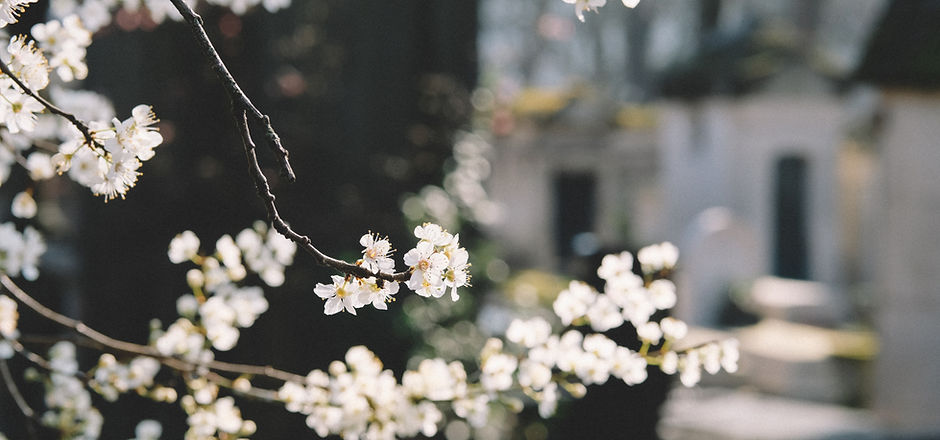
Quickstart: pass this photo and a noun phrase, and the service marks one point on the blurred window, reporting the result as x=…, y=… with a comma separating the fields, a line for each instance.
x=790, y=244
x=575, y=200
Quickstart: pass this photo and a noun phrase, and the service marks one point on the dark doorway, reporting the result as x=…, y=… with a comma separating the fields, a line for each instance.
x=574, y=210
x=790, y=237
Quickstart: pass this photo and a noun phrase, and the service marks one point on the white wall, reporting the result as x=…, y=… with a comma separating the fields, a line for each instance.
x=907, y=373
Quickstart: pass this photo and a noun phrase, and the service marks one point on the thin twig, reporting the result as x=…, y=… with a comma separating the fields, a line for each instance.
x=264, y=192
x=74, y=324
x=257, y=393
x=105, y=343
x=238, y=98
x=36, y=359
x=242, y=109
x=256, y=370
x=15, y=391
x=86, y=132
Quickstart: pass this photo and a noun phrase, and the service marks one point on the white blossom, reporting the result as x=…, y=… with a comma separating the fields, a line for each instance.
x=379, y=297
x=40, y=166
x=19, y=110
x=8, y=317
x=497, y=370
x=649, y=332
x=375, y=255
x=614, y=265
x=474, y=410
x=68, y=403
x=111, y=378
x=573, y=302
x=710, y=355
x=629, y=366
x=585, y=5
x=673, y=329
x=548, y=400
x=266, y=252
x=183, y=247
x=603, y=314
x=730, y=355
x=530, y=332
x=455, y=275
x=20, y=252
x=27, y=63
x=183, y=339
x=690, y=372
x=11, y=9
x=428, y=267
x=670, y=362
x=657, y=257
x=24, y=206
x=339, y=295
x=534, y=374
x=148, y=429
x=663, y=294
x=66, y=43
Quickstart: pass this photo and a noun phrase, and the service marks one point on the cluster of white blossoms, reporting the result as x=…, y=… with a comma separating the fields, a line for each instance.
x=26, y=61
x=113, y=170
x=112, y=378
x=66, y=42
x=626, y=297
x=20, y=252
x=358, y=399
x=69, y=406
x=437, y=263
x=217, y=307
x=211, y=316
x=591, y=5
x=211, y=417
x=109, y=165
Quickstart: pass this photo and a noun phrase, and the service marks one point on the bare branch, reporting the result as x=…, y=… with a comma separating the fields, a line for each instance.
x=21, y=403
x=264, y=192
x=73, y=324
x=242, y=109
x=238, y=98
x=256, y=393
x=103, y=342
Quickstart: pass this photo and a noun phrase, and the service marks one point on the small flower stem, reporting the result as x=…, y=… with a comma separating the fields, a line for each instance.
x=645, y=348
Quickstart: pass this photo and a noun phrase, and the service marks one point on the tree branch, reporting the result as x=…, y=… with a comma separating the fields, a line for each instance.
x=242, y=109
x=86, y=132
x=255, y=393
x=264, y=192
x=14, y=391
x=105, y=343
x=238, y=98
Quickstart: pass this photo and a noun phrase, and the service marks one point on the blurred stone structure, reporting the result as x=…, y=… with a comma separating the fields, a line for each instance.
x=788, y=148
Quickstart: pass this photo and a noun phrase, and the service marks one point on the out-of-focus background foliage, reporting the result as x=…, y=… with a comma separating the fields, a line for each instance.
x=787, y=147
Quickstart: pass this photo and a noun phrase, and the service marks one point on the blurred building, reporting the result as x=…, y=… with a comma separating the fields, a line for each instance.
x=786, y=147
